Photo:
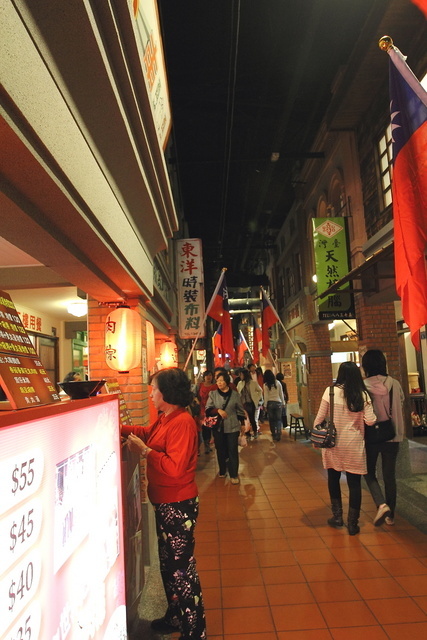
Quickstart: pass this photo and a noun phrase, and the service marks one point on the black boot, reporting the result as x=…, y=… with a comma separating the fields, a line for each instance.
x=336, y=520
x=353, y=518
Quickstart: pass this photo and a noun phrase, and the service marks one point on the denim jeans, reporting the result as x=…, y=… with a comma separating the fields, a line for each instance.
x=274, y=412
x=388, y=451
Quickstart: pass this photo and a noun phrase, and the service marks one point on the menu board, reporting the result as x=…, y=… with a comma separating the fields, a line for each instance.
x=22, y=376
x=62, y=559
x=112, y=386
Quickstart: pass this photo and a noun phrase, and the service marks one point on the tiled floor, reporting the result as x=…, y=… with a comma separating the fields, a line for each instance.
x=272, y=569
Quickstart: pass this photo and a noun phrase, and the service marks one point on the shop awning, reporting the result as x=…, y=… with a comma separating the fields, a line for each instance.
x=369, y=269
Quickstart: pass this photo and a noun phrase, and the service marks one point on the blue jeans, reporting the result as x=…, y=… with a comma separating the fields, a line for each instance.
x=274, y=412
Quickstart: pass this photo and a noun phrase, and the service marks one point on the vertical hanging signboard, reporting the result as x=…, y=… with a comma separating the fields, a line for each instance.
x=331, y=257
x=191, y=296
x=112, y=386
x=22, y=376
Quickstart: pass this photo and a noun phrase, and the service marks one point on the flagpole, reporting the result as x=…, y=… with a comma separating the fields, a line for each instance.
x=202, y=324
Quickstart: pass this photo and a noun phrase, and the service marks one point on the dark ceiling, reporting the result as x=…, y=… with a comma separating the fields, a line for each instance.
x=248, y=79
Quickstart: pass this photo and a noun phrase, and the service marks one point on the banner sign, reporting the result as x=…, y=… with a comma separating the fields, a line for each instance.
x=331, y=258
x=191, y=295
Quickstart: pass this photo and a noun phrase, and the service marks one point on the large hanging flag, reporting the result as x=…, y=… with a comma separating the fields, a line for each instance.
x=218, y=309
x=408, y=108
x=422, y=5
x=269, y=317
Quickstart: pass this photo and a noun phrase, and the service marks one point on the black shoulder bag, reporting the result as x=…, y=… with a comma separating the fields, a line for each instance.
x=323, y=435
x=383, y=430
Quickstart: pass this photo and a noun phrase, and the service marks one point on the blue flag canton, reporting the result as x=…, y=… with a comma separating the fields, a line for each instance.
x=407, y=111
x=224, y=294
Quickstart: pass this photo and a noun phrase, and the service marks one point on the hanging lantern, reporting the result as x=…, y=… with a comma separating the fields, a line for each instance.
x=151, y=346
x=168, y=355
x=123, y=339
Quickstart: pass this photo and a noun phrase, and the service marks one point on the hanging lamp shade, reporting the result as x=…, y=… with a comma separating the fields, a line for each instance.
x=168, y=354
x=123, y=339
x=151, y=346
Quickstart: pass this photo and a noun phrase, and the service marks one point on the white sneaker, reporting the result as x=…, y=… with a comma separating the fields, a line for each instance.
x=389, y=521
x=382, y=513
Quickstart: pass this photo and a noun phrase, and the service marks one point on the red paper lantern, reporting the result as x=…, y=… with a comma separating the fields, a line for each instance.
x=123, y=339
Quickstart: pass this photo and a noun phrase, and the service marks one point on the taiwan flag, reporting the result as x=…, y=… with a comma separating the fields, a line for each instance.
x=218, y=309
x=269, y=317
x=217, y=348
x=408, y=108
x=241, y=349
x=257, y=339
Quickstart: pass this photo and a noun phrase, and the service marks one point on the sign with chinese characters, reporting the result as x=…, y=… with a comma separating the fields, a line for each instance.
x=22, y=376
x=112, y=386
x=331, y=257
x=191, y=297
x=149, y=43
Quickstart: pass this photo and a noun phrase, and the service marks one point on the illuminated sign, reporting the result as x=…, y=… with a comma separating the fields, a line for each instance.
x=331, y=257
x=62, y=560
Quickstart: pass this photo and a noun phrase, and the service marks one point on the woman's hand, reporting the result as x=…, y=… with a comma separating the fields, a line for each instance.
x=222, y=413
x=136, y=445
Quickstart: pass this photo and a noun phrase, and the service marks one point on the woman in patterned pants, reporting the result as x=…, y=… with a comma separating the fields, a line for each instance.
x=171, y=447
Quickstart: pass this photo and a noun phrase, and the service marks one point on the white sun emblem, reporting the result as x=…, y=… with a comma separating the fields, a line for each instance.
x=393, y=115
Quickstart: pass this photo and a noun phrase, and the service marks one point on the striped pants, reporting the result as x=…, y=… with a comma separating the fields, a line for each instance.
x=175, y=523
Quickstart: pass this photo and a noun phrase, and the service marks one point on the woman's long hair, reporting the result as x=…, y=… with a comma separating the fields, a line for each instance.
x=351, y=381
x=374, y=363
x=269, y=378
x=246, y=375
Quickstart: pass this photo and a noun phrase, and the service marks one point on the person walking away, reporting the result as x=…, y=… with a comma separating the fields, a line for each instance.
x=170, y=447
x=204, y=389
x=226, y=403
x=251, y=394
x=274, y=401
x=352, y=409
x=379, y=384
x=280, y=377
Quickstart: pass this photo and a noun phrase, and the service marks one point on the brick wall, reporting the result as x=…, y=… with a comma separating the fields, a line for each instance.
x=319, y=368
x=377, y=330
x=134, y=390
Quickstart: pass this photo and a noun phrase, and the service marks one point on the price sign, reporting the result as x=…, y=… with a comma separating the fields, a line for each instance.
x=19, y=531
x=20, y=477
x=26, y=382
x=18, y=588
x=112, y=386
x=13, y=335
x=28, y=625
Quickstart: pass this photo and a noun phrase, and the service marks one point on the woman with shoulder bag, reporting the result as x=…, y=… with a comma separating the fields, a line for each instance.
x=352, y=408
x=251, y=394
x=226, y=403
x=387, y=398
x=274, y=401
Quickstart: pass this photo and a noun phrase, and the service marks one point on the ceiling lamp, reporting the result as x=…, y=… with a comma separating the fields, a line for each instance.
x=78, y=309
x=123, y=339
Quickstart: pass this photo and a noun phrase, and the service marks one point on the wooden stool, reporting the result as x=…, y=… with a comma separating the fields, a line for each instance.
x=297, y=423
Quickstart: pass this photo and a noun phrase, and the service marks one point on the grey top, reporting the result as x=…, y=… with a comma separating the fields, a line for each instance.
x=233, y=409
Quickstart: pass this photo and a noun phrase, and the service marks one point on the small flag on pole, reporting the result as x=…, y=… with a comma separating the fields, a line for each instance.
x=408, y=108
x=218, y=309
x=241, y=348
x=257, y=337
x=269, y=317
